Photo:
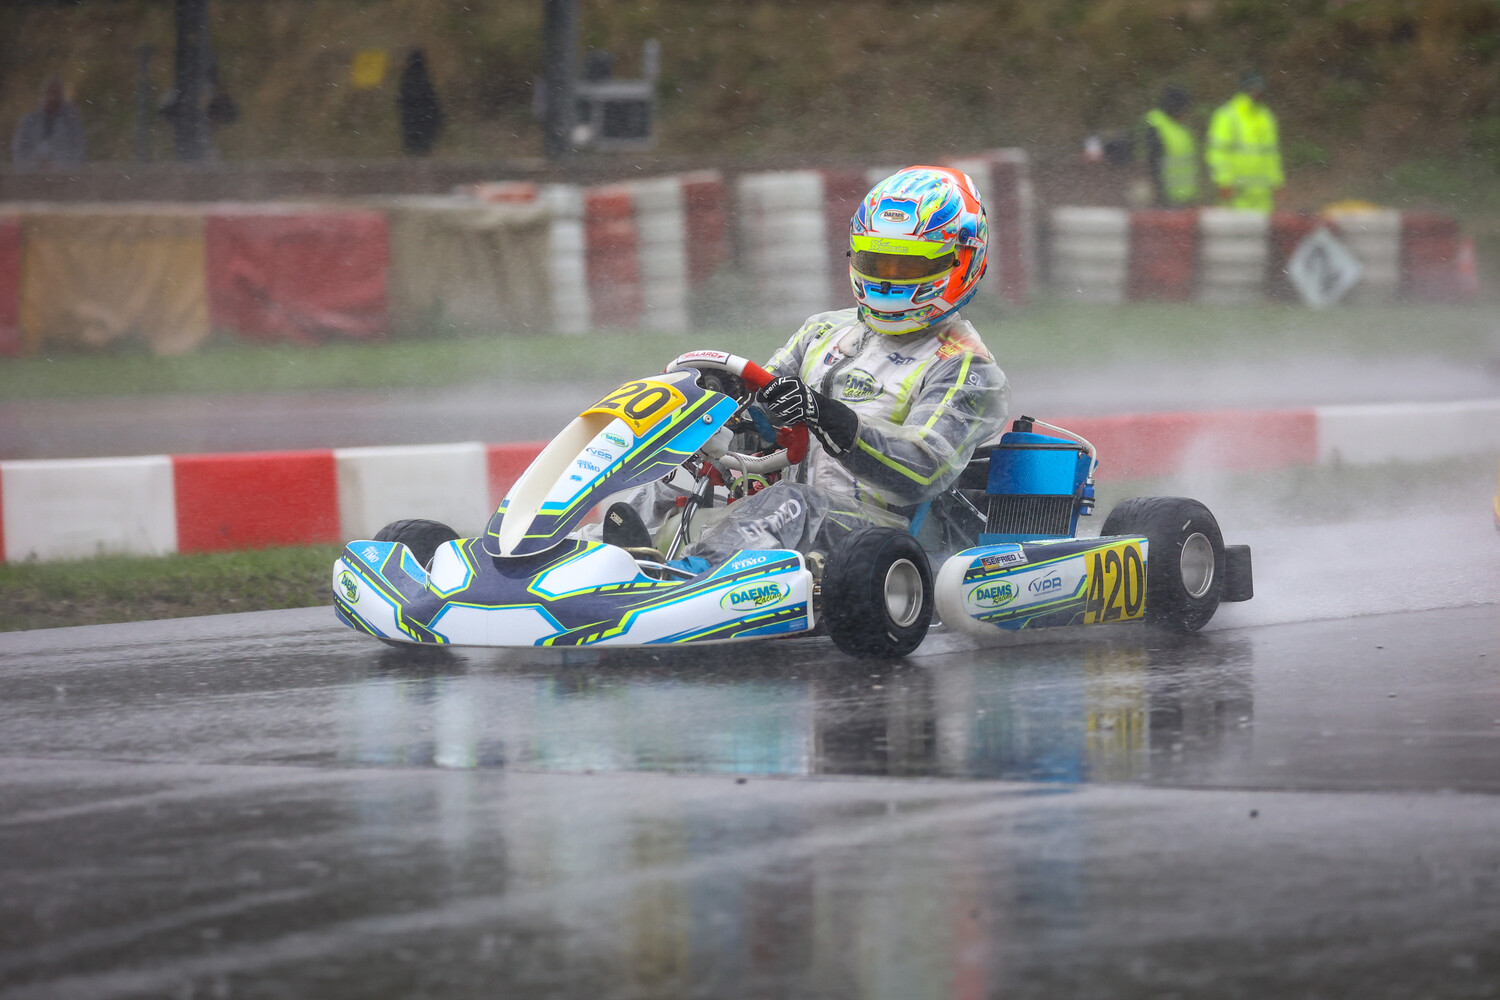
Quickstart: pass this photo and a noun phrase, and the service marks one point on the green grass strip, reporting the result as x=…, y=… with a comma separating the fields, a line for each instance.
x=137, y=588
x=1047, y=333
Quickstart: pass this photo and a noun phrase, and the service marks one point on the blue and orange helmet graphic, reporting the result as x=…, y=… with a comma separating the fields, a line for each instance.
x=917, y=248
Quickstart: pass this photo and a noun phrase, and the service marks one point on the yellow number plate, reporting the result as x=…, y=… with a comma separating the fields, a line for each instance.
x=642, y=404
x=1116, y=584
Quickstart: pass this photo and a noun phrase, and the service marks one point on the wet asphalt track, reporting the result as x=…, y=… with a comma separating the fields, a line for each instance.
x=1303, y=800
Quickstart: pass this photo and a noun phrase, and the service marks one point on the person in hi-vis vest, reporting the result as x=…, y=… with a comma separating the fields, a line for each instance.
x=1171, y=150
x=1244, y=153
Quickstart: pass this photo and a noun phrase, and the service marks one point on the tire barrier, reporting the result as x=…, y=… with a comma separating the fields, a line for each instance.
x=784, y=234
x=1431, y=251
x=567, y=275
x=1232, y=256
x=1163, y=256
x=1374, y=236
x=92, y=275
x=10, y=278
x=661, y=225
x=286, y=273
x=1090, y=253
x=632, y=251
x=612, y=255
x=1003, y=177
x=160, y=504
x=519, y=256
x=1234, y=251
x=463, y=268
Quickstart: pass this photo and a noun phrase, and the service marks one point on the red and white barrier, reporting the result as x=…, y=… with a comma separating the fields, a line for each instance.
x=1224, y=255
x=160, y=504
x=784, y=234
x=76, y=508
x=1090, y=252
x=794, y=226
x=624, y=256
x=155, y=505
x=1003, y=177
x=565, y=256
x=284, y=272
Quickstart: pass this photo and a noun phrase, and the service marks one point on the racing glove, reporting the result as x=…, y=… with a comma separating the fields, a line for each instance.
x=789, y=400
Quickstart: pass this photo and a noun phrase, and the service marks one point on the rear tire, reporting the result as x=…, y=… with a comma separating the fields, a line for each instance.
x=877, y=594
x=422, y=537
x=1185, y=565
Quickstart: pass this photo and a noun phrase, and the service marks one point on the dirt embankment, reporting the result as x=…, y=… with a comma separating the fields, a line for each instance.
x=1372, y=79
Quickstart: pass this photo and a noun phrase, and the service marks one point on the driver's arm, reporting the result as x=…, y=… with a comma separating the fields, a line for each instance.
x=789, y=357
x=961, y=403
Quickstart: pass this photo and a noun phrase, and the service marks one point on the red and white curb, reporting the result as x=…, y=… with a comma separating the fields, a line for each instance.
x=160, y=504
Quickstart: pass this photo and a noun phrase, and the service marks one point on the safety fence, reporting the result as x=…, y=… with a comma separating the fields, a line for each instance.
x=160, y=504
x=511, y=257
x=1220, y=255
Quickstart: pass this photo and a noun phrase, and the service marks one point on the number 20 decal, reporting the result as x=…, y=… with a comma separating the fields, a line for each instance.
x=1117, y=585
x=640, y=404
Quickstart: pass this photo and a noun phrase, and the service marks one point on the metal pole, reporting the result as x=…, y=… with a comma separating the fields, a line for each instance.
x=189, y=123
x=560, y=41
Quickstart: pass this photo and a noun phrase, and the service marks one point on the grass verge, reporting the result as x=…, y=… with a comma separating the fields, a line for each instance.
x=138, y=588
x=1046, y=333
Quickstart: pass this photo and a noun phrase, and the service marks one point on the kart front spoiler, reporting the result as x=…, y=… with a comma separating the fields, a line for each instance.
x=578, y=593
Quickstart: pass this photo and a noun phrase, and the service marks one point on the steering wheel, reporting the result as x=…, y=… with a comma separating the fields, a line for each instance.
x=754, y=378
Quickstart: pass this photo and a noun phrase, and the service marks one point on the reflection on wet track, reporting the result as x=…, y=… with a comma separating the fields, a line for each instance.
x=1120, y=710
x=270, y=805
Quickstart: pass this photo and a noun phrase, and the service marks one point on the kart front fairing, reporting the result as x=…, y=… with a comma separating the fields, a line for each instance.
x=529, y=581
x=642, y=431
x=581, y=593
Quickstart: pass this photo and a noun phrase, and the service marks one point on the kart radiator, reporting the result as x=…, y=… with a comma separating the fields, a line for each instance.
x=1021, y=514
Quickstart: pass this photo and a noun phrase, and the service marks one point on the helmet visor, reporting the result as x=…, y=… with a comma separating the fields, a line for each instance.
x=900, y=267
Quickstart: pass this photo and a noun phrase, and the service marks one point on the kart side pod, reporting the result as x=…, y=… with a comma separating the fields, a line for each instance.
x=1158, y=559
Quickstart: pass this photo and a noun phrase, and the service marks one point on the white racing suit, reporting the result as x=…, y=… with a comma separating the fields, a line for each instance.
x=925, y=401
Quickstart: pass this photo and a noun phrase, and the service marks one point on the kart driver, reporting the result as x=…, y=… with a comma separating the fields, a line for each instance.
x=896, y=392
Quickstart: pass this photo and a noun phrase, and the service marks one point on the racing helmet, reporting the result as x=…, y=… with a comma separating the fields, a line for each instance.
x=917, y=248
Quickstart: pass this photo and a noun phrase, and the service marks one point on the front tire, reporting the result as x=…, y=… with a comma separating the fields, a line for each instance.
x=877, y=594
x=1185, y=564
x=422, y=537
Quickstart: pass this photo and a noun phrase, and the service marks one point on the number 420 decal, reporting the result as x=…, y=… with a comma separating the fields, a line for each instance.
x=1117, y=585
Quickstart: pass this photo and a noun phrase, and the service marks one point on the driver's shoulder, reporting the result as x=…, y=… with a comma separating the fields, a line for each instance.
x=957, y=338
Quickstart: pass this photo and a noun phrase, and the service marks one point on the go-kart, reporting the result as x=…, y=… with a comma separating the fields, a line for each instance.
x=1005, y=532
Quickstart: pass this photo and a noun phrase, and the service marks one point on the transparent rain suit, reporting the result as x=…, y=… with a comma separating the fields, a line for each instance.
x=925, y=401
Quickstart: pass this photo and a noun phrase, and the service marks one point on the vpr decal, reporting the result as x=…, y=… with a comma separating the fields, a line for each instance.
x=1045, y=585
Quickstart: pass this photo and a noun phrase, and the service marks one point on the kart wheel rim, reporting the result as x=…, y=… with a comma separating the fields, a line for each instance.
x=903, y=592
x=1197, y=565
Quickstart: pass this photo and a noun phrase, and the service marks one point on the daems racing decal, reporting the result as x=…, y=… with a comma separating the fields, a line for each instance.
x=992, y=594
x=756, y=595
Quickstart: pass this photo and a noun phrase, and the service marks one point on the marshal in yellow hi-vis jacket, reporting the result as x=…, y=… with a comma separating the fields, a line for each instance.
x=1243, y=152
